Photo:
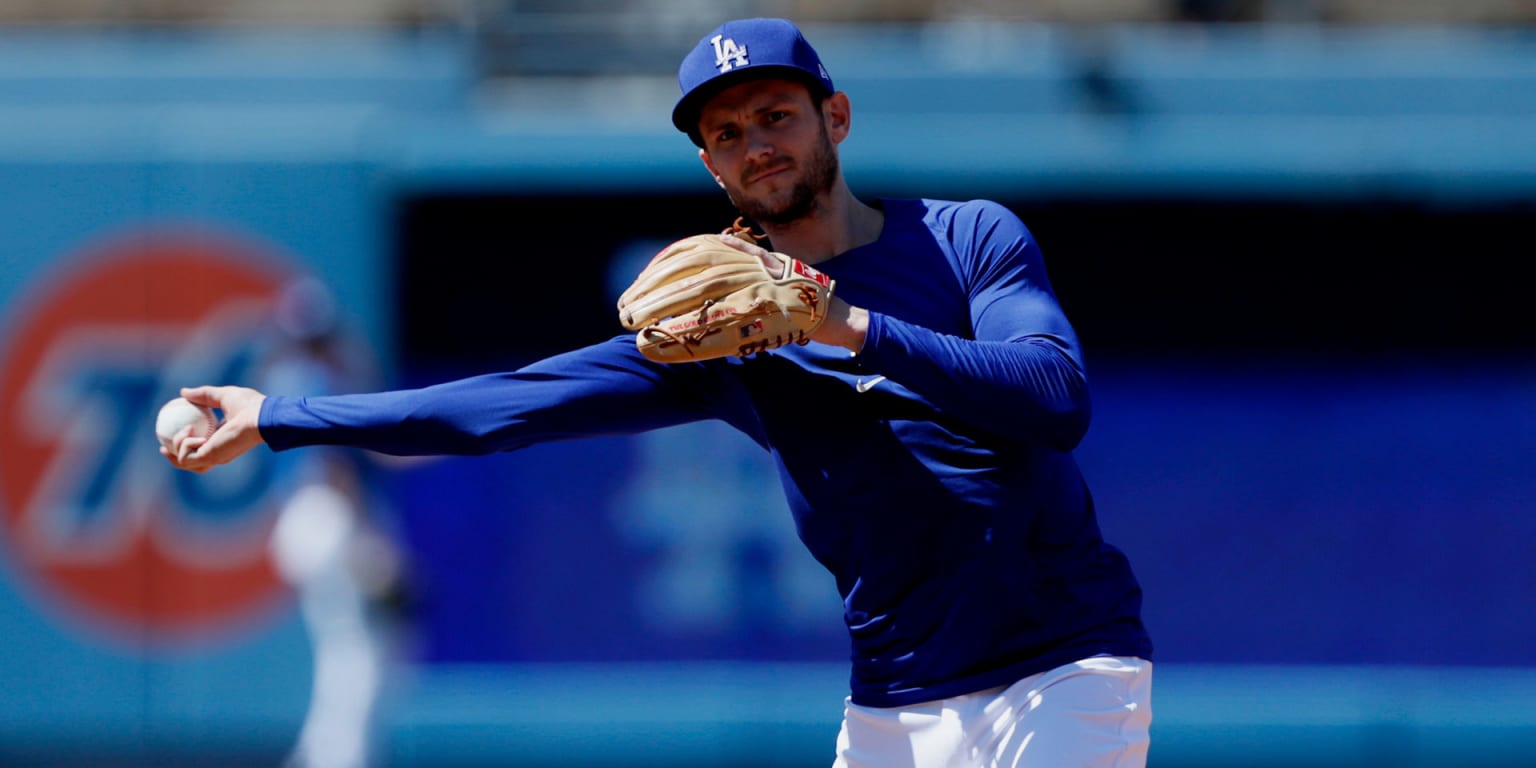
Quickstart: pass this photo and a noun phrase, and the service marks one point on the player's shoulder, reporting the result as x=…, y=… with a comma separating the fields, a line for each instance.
x=977, y=221
x=966, y=213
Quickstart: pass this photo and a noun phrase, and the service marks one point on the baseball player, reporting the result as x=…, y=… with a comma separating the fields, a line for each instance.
x=923, y=436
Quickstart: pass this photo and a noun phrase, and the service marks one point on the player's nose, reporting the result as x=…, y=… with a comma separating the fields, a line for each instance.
x=759, y=143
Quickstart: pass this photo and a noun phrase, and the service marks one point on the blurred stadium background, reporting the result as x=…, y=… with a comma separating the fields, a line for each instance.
x=1293, y=234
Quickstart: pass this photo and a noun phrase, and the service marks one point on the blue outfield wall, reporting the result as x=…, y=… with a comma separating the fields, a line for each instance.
x=1336, y=553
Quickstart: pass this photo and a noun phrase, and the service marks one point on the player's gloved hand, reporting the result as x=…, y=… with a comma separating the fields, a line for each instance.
x=239, y=433
x=710, y=296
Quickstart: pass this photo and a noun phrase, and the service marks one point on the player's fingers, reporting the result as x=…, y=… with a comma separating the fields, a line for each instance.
x=178, y=439
x=227, y=443
x=205, y=395
x=171, y=450
x=232, y=400
x=176, y=462
x=186, y=446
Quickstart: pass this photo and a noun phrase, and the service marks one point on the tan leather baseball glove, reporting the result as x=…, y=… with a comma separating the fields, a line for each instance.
x=700, y=299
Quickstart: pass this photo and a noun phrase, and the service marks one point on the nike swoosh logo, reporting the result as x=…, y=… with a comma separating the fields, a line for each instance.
x=865, y=385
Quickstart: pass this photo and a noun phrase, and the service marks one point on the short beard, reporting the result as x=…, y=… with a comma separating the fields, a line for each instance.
x=821, y=169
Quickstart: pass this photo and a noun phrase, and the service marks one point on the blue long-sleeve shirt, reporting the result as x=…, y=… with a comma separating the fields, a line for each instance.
x=931, y=473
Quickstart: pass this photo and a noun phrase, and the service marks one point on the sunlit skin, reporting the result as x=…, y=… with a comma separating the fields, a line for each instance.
x=771, y=150
x=764, y=180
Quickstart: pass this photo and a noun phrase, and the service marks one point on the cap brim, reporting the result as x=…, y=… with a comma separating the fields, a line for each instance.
x=685, y=116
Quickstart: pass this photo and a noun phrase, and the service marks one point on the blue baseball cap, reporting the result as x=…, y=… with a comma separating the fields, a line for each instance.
x=742, y=50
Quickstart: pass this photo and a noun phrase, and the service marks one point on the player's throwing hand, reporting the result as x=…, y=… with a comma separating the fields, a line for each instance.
x=239, y=433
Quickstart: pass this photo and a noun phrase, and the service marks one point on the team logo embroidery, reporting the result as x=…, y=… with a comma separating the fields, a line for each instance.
x=728, y=55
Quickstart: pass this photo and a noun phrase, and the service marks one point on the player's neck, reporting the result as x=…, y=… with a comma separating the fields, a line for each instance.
x=840, y=222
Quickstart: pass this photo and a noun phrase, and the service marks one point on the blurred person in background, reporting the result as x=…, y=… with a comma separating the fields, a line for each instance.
x=330, y=543
x=924, y=439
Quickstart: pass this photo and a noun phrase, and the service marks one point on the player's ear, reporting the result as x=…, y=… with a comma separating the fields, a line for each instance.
x=704, y=158
x=838, y=114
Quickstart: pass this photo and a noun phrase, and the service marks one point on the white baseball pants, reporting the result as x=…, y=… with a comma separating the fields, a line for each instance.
x=1093, y=713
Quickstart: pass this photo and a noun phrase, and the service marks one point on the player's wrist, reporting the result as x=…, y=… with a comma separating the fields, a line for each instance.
x=846, y=326
x=258, y=412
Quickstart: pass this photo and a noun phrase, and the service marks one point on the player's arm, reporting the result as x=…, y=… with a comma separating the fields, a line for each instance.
x=1022, y=375
x=603, y=389
x=1031, y=389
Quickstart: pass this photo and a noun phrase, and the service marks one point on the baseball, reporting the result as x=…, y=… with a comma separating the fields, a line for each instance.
x=178, y=414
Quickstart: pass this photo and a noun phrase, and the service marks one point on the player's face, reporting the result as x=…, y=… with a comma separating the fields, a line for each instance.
x=768, y=146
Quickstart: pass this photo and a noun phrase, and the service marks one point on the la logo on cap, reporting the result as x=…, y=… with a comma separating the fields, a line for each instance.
x=728, y=55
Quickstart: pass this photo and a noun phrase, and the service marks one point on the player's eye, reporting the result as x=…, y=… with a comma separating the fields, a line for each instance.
x=777, y=115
